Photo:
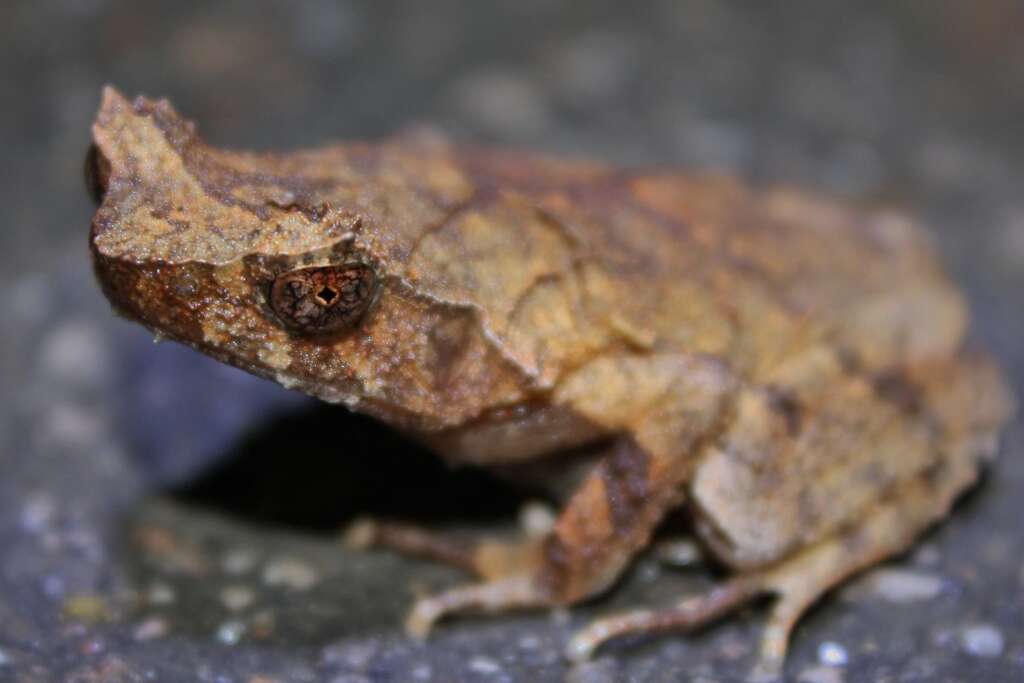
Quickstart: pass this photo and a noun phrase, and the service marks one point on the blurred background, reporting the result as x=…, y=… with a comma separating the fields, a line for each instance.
x=166, y=518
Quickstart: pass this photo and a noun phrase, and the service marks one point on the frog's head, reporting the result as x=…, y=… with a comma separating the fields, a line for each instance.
x=295, y=267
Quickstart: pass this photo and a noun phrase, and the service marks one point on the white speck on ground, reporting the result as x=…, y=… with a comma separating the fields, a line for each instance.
x=150, y=629
x=231, y=632
x=484, y=665
x=4, y=658
x=529, y=643
x=603, y=670
x=648, y=571
x=536, y=519
x=904, y=585
x=560, y=616
x=353, y=655
x=290, y=573
x=160, y=594
x=682, y=552
x=76, y=354
x=422, y=672
x=236, y=598
x=238, y=561
x=37, y=513
x=821, y=674
x=832, y=654
x=982, y=640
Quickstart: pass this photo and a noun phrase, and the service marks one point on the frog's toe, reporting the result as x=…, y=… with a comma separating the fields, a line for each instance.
x=517, y=592
x=689, y=614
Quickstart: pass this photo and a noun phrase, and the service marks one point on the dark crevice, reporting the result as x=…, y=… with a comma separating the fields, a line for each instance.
x=319, y=468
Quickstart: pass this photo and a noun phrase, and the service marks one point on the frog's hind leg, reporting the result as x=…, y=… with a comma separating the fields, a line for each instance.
x=676, y=402
x=799, y=581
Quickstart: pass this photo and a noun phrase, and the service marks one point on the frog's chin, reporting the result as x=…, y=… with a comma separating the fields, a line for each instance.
x=328, y=394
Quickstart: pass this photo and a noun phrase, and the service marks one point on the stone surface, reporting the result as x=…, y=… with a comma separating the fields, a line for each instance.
x=166, y=518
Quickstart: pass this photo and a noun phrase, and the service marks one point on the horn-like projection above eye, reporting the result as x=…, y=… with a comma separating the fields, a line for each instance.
x=324, y=299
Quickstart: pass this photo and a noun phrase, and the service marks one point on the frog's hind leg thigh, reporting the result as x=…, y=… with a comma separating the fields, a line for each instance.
x=800, y=580
x=611, y=516
x=676, y=402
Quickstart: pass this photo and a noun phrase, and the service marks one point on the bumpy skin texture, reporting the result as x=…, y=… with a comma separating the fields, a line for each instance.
x=793, y=369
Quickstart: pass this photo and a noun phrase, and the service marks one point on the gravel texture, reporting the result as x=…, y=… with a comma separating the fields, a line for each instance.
x=164, y=518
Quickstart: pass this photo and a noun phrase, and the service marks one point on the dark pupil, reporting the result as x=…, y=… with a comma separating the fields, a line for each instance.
x=326, y=294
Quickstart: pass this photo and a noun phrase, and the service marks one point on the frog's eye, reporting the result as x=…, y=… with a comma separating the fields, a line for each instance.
x=324, y=299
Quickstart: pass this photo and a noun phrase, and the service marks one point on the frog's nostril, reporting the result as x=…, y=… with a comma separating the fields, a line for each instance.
x=97, y=173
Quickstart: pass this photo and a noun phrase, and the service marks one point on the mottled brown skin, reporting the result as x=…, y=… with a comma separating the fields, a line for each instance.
x=791, y=369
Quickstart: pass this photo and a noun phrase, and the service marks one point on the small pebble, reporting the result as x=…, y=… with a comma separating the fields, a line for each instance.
x=236, y=598
x=484, y=665
x=982, y=640
x=678, y=553
x=648, y=571
x=560, y=616
x=94, y=646
x=353, y=655
x=422, y=672
x=231, y=632
x=904, y=586
x=53, y=586
x=86, y=608
x=536, y=519
x=832, y=654
x=76, y=353
x=821, y=674
x=5, y=659
x=238, y=561
x=529, y=643
x=38, y=513
x=150, y=629
x=290, y=573
x=601, y=670
x=160, y=594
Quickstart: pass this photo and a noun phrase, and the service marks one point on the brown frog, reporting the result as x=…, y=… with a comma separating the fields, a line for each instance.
x=792, y=370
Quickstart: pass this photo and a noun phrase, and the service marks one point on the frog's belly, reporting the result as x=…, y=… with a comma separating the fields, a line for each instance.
x=776, y=482
x=514, y=435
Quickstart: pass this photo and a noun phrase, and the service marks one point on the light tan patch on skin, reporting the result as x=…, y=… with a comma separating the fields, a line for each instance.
x=230, y=277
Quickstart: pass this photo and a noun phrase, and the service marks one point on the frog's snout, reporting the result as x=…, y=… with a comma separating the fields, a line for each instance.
x=97, y=173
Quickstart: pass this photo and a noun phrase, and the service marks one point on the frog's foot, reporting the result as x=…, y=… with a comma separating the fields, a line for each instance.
x=486, y=558
x=513, y=592
x=507, y=569
x=798, y=582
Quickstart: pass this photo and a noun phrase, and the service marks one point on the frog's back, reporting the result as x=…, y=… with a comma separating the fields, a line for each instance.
x=708, y=265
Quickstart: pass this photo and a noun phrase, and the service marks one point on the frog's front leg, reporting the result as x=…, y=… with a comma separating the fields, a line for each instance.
x=664, y=407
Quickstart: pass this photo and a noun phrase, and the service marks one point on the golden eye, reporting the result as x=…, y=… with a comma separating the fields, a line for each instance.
x=324, y=299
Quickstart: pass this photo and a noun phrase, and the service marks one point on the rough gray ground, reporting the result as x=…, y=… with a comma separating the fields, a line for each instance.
x=163, y=518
